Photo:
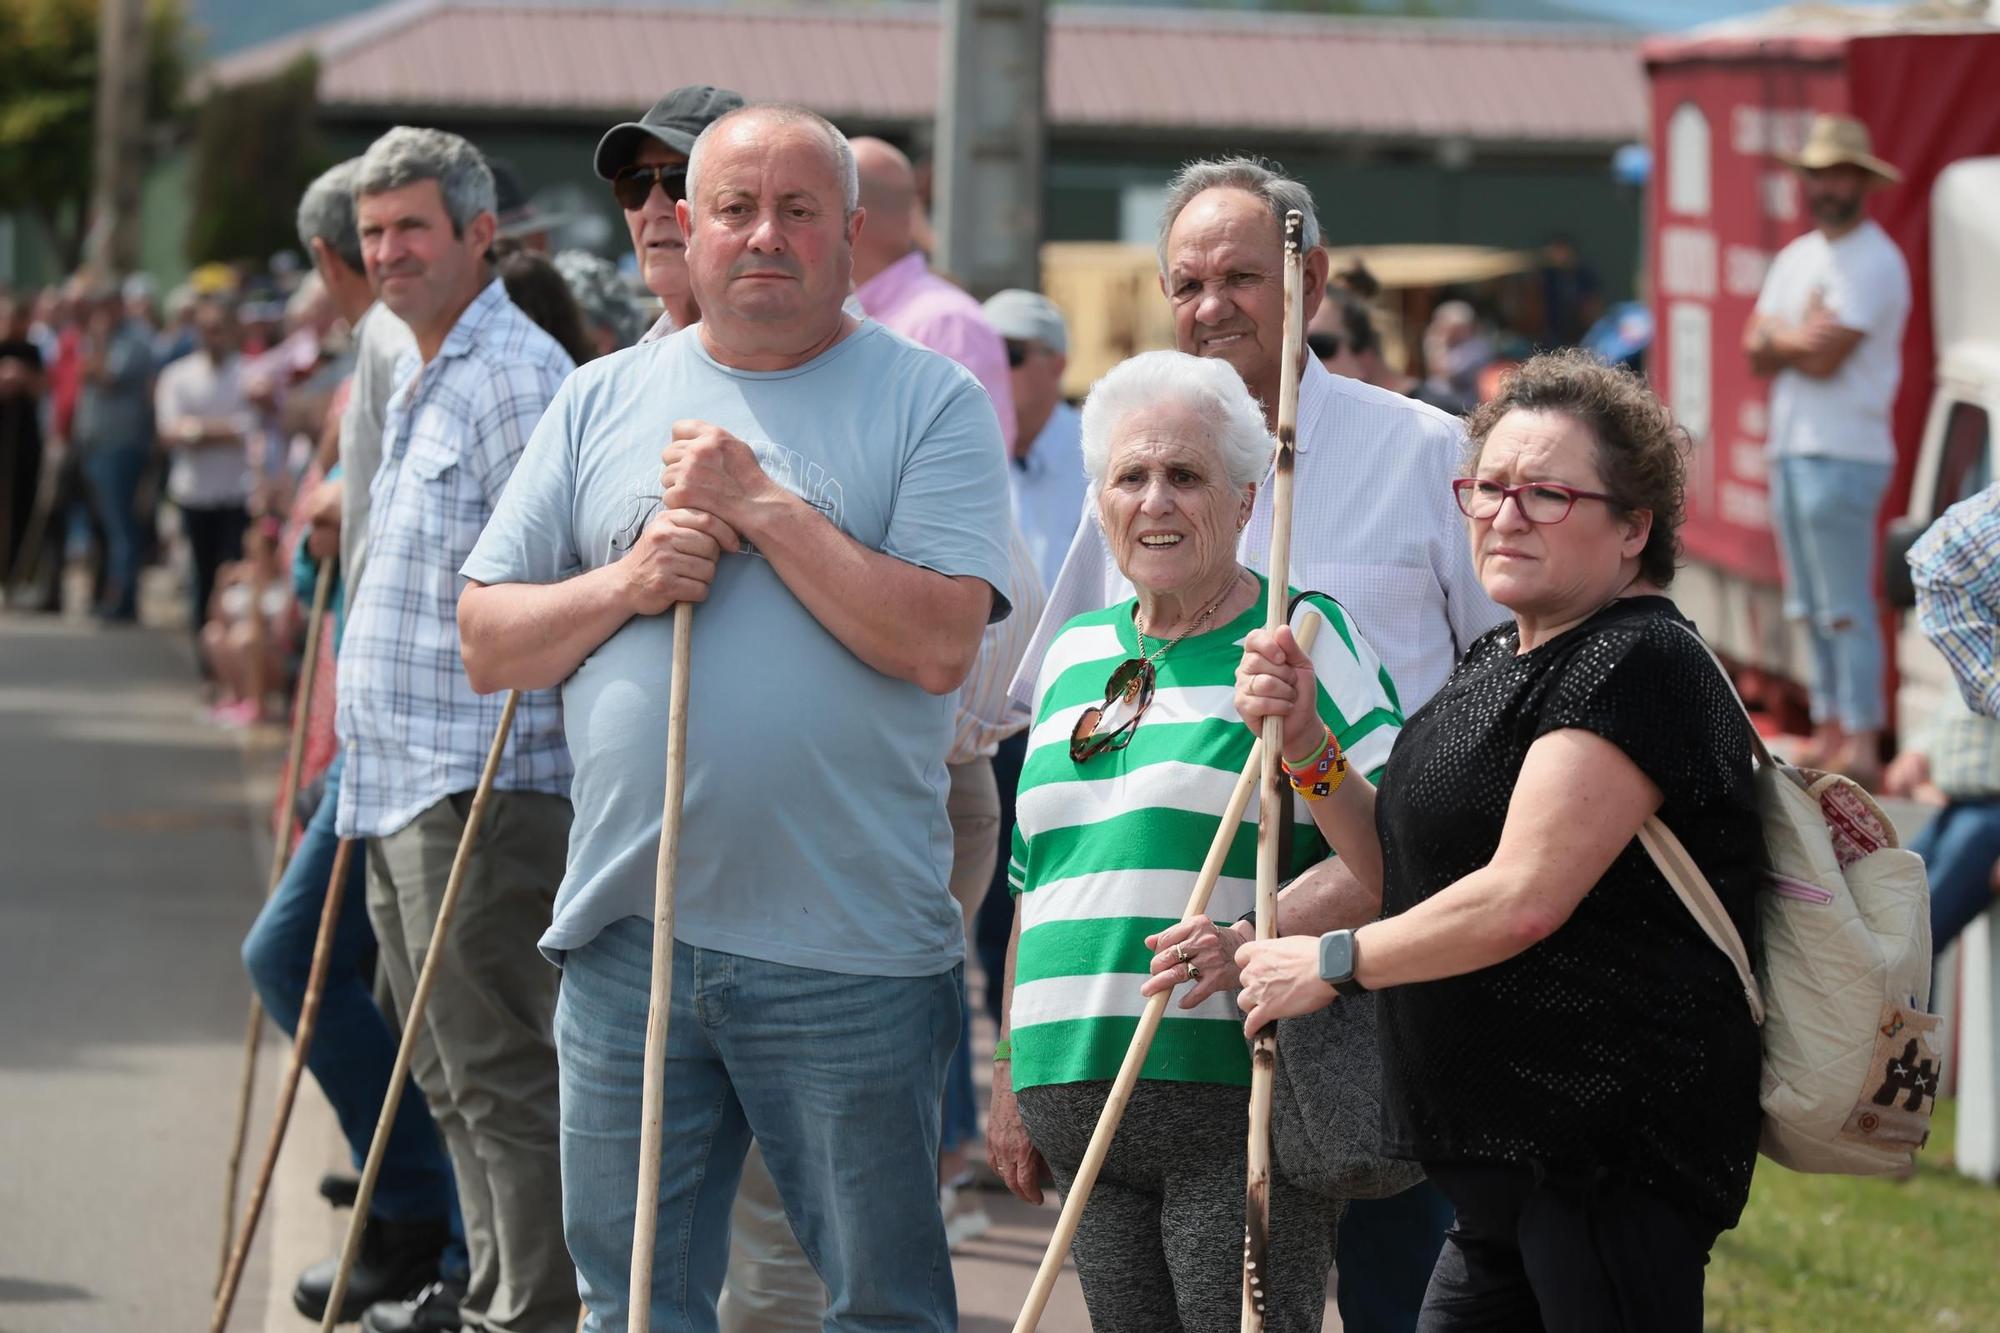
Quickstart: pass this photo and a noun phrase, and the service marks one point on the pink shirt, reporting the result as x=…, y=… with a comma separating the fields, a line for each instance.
x=915, y=302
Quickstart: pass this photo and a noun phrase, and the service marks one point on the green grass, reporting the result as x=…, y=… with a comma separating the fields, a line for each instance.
x=1824, y=1254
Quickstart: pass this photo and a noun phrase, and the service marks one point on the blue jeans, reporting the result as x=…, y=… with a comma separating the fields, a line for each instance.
x=1959, y=848
x=838, y=1077
x=1825, y=510
x=353, y=1051
x=1384, y=1257
x=113, y=471
x=961, y=1103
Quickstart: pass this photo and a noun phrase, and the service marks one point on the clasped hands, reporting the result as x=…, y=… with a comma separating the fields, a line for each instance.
x=713, y=489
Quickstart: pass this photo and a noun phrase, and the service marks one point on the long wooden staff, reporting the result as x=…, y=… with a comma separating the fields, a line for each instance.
x=1142, y=1040
x=659, y=1007
x=1276, y=799
x=281, y=855
x=302, y=1036
x=413, y=1022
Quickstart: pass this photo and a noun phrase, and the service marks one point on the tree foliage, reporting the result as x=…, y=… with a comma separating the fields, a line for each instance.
x=256, y=148
x=48, y=92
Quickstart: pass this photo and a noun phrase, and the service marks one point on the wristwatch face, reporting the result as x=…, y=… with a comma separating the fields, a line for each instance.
x=1336, y=957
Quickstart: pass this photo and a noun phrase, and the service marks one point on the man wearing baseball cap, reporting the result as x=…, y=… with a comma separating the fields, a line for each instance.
x=1047, y=447
x=1828, y=332
x=646, y=162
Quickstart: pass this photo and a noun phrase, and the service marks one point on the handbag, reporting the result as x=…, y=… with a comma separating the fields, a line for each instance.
x=1326, y=1105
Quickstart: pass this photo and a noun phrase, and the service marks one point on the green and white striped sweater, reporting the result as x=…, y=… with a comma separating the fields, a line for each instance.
x=1107, y=851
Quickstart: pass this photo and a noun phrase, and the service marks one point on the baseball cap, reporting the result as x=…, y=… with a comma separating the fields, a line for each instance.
x=1027, y=316
x=675, y=120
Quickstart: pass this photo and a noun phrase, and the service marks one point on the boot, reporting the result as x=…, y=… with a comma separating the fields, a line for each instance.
x=396, y=1260
x=432, y=1310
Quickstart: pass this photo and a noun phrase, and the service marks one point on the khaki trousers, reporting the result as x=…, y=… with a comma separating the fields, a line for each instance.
x=485, y=1057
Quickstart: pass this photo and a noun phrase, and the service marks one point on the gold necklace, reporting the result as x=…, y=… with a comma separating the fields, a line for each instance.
x=1147, y=659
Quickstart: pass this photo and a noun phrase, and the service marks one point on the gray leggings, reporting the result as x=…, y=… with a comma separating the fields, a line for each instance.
x=1160, y=1246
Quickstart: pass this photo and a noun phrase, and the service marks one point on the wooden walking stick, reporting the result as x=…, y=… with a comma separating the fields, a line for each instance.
x=281, y=855
x=288, y=1091
x=659, y=1007
x=1276, y=799
x=1142, y=1040
x=392, y=1096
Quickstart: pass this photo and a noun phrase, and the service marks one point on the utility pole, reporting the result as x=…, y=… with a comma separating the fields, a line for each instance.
x=118, y=151
x=992, y=127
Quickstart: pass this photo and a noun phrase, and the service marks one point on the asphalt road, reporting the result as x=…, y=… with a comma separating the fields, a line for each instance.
x=127, y=876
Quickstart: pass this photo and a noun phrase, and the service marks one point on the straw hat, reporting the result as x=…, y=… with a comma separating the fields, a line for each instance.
x=1836, y=141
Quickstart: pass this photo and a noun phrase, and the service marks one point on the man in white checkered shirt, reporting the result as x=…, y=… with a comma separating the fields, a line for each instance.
x=1373, y=525
x=416, y=735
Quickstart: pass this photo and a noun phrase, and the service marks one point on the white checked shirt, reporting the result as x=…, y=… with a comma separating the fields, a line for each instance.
x=984, y=717
x=413, y=730
x=1374, y=526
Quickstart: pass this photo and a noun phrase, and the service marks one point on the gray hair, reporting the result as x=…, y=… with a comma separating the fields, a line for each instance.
x=1208, y=389
x=603, y=295
x=326, y=213
x=1253, y=175
x=784, y=113
x=406, y=155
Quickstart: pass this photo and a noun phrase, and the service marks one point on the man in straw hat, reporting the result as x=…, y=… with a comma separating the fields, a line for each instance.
x=1828, y=332
x=835, y=498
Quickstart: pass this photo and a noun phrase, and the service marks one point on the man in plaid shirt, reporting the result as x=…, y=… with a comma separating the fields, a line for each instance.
x=1956, y=566
x=416, y=735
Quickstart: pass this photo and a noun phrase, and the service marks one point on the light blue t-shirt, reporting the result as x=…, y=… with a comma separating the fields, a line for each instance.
x=815, y=832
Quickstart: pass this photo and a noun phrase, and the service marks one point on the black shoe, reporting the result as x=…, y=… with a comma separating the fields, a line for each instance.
x=432, y=1310
x=338, y=1188
x=397, y=1259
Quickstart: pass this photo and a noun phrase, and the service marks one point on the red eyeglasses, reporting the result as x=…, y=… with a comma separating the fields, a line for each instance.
x=1540, y=502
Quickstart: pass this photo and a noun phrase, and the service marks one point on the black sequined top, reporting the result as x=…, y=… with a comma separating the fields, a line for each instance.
x=1621, y=1042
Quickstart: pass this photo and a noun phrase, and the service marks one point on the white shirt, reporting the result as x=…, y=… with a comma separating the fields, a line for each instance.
x=1374, y=526
x=1049, y=486
x=194, y=388
x=380, y=341
x=1862, y=280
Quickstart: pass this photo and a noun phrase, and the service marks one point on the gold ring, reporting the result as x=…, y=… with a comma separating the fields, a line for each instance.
x=1194, y=973
x=1180, y=952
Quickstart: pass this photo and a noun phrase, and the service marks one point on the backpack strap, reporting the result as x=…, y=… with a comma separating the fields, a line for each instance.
x=1761, y=751
x=1698, y=896
x=1678, y=867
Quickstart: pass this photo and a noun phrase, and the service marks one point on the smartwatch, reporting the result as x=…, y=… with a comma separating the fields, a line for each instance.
x=1337, y=961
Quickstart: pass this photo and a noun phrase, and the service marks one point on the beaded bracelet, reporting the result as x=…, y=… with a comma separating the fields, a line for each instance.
x=1319, y=774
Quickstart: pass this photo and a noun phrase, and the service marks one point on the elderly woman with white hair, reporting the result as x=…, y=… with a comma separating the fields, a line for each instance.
x=1133, y=754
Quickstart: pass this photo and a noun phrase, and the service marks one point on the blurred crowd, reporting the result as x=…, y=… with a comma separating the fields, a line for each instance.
x=186, y=430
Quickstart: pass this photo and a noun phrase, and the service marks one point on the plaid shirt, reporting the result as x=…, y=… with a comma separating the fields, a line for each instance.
x=413, y=730
x=1957, y=570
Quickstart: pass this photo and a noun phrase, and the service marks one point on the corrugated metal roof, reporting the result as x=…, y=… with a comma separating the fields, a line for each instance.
x=1132, y=69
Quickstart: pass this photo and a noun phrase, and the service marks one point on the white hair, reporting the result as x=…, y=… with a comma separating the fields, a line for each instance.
x=1207, y=390
x=1252, y=175
x=784, y=113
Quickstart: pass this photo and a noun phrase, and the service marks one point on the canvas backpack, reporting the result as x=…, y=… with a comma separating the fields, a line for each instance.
x=1841, y=983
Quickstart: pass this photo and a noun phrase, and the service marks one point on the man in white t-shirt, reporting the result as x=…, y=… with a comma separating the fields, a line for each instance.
x=1828, y=331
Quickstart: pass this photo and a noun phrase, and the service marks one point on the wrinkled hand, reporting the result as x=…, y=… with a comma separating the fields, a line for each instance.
x=1275, y=679
x=708, y=469
x=674, y=558
x=1212, y=949
x=1008, y=1151
x=1280, y=979
x=323, y=513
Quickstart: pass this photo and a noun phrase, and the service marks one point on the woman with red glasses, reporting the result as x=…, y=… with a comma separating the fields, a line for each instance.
x=1133, y=754
x=1565, y=1052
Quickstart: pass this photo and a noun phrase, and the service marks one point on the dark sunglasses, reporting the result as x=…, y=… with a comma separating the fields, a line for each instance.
x=1323, y=345
x=632, y=186
x=1017, y=353
x=1133, y=683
